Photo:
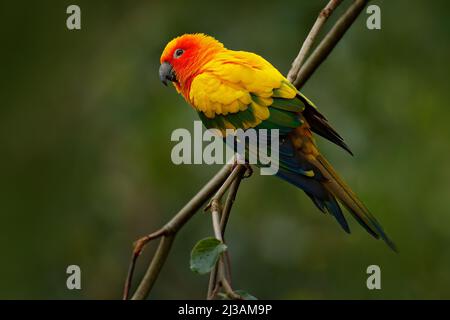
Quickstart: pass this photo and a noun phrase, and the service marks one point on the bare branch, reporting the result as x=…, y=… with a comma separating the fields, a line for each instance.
x=309, y=41
x=155, y=267
x=226, y=214
x=138, y=246
x=229, y=203
x=212, y=284
x=229, y=290
x=168, y=233
x=221, y=273
x=329, y=42
x=232, y=177
x=215, y=208
x=220, y=219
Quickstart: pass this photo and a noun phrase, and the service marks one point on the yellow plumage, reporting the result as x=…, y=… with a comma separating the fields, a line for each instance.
x=229, y=80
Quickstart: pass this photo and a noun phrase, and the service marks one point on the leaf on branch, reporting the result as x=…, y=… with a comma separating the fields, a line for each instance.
x=244, y=295
x=205, y=255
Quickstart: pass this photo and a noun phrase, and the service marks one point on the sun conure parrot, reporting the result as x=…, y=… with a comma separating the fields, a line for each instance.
x=237, y=89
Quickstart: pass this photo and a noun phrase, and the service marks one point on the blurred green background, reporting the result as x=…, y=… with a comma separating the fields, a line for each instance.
x=85, y=130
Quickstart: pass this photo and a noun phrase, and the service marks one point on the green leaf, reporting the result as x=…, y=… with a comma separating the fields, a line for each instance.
x=245, y=295
x=205, y=254
x=223, y=296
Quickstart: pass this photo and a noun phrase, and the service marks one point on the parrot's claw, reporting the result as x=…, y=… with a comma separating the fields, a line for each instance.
x=248, y=168
x=248, y=171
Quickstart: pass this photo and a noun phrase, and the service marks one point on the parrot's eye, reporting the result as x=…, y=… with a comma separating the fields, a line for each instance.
x=178, y=53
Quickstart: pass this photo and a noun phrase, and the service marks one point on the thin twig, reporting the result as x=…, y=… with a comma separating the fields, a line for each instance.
x=215, y=215
x=227, y=287
x=155, y=267
x=329, y=42
x=309, y=41
x=138, y=247
x=238, y=168
x=220, y=218
x=233, y=182
x=229, y=202
x=212, y=284
x=168, y=231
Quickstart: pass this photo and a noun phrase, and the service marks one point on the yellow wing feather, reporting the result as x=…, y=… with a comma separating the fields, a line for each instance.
x=228, y=82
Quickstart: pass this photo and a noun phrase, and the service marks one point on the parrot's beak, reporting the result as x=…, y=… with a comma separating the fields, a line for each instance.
x=166, y=73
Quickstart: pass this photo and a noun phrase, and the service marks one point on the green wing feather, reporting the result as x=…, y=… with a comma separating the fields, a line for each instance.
x=286, y=115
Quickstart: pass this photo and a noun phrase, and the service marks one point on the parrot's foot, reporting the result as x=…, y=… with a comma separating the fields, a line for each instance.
x=248, y=171
x=248, y=168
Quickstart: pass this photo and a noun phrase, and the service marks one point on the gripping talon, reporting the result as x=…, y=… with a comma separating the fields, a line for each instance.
x=248, y=171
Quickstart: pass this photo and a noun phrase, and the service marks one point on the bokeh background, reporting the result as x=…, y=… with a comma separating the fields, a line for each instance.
x=85, y=144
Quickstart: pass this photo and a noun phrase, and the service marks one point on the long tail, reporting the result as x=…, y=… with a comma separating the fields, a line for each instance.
x=299, y=155
x=339, y=189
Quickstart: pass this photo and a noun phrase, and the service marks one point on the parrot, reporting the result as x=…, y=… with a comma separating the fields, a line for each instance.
x=241, y=90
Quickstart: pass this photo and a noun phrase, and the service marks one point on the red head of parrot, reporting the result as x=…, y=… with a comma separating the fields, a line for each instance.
x=183, y=58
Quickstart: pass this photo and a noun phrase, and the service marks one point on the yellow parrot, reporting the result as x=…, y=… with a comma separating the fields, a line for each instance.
x=241, y=90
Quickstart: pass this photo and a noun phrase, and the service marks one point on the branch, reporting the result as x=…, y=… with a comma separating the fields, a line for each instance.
x=168, y=232
x=307, y=44
x=221, y=273
x=229, y=204
x=329, y=42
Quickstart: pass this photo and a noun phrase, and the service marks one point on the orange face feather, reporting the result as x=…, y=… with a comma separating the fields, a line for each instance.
x=186, y=55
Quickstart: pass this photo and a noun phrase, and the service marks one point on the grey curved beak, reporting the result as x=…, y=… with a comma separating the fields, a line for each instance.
x=166, y=73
